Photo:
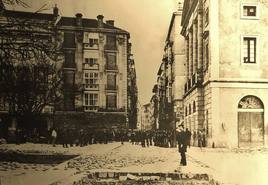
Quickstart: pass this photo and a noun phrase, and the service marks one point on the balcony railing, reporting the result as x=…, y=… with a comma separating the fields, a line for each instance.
x=88, y=108
x=111, y=67
x=89, y=46
x=110, y=47
x=91, y=86
x=195, y=81
x=69, y=65
x=111, y=109
x=111, y=87
x=88, y=66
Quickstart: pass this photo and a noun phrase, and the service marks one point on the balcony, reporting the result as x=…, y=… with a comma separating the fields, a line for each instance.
x=93, y=87
x=165, y=57
x=91, y=108
x=88, y=46
x=111, y=67
x=110, y=47
x=111, y=109
x=69, y=65
x=88, y=66
x=111, y=87
x=196, y=80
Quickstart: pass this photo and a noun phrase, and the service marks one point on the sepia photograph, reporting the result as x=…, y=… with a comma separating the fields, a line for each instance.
x=133, y=92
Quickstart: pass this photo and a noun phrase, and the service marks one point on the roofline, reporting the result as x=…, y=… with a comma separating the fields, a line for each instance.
x=186, y=17
x=6, y=10
x=171, y=24
x=103, y=30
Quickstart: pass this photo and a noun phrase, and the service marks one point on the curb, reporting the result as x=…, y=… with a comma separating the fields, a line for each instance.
x=146, y=177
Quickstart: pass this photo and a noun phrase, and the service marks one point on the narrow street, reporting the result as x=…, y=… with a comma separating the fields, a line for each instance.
x=222, y=165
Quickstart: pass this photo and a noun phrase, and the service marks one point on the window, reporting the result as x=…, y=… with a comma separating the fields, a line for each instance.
x=186, y=111
x=190, y=111
x=3, y=104
x=69, y=60
x=249, y=10
x=69, y=40
x=111, y=81
x=90, y=99
x=111, y=62
x=91, y=78
x=206, y=55
x=194, y=107
x=111, y=101
x=91, y=61
x=111, y=40
x=206, y=17
x=249, y=49
x=93, y=42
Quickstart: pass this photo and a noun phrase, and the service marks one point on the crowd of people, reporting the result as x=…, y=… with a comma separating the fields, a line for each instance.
x=82, y=137
x=69, y=137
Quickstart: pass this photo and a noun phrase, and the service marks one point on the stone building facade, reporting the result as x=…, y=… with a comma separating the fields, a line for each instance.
x=147, y=116
x=225, y=94
x=171, y=76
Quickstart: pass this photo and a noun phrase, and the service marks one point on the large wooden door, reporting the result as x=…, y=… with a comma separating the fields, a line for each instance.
x=244, y=131
x=250, y=122
x=250, y=128
x=257, y=124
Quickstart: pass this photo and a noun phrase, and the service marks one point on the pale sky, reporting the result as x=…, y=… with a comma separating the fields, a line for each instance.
x=147, y=21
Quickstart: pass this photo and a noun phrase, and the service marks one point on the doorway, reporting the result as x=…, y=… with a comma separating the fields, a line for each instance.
x=250, y=122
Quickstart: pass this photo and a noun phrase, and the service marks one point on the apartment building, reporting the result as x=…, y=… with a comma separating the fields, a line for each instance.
x=98, y=72
x=147, y=117
x=171, y=76
x=225, y=94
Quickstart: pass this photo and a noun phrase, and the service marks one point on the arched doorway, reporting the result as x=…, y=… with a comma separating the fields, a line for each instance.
x=250, y=122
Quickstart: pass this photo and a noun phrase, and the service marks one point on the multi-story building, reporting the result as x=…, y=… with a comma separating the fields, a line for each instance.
x=98, y=72
x=132, y=92
x=147, y=122
x=226, y=90
x=171, y=76
x=175, y=54
x=96, y=65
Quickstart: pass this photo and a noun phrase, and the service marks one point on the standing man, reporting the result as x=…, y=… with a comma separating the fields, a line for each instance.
x=182, y=144
x=53, y=137
x=188, y=137
x=200, y=139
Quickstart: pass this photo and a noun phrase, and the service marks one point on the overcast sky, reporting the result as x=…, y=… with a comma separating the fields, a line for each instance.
x=146, y=20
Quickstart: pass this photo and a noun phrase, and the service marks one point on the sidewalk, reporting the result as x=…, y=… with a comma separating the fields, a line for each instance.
x=243, y=167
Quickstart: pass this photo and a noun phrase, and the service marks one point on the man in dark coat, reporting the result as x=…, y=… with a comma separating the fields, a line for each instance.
x=182, y=145
x=188, y=137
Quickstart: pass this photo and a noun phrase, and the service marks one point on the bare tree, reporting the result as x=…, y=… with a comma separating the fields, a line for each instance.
x=30, y=75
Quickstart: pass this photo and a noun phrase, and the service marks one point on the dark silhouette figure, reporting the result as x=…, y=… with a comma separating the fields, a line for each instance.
x=182, y=145
x=188, y=137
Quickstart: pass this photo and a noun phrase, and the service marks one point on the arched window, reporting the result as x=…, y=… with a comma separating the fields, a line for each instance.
x=194, y=107
x=185, y=111
x=250, y=102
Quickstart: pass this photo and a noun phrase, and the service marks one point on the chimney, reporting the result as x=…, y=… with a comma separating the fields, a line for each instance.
x=78, y=19
x=55, y=11
x=180, y=7
x=110, y=22
x=100, y=21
